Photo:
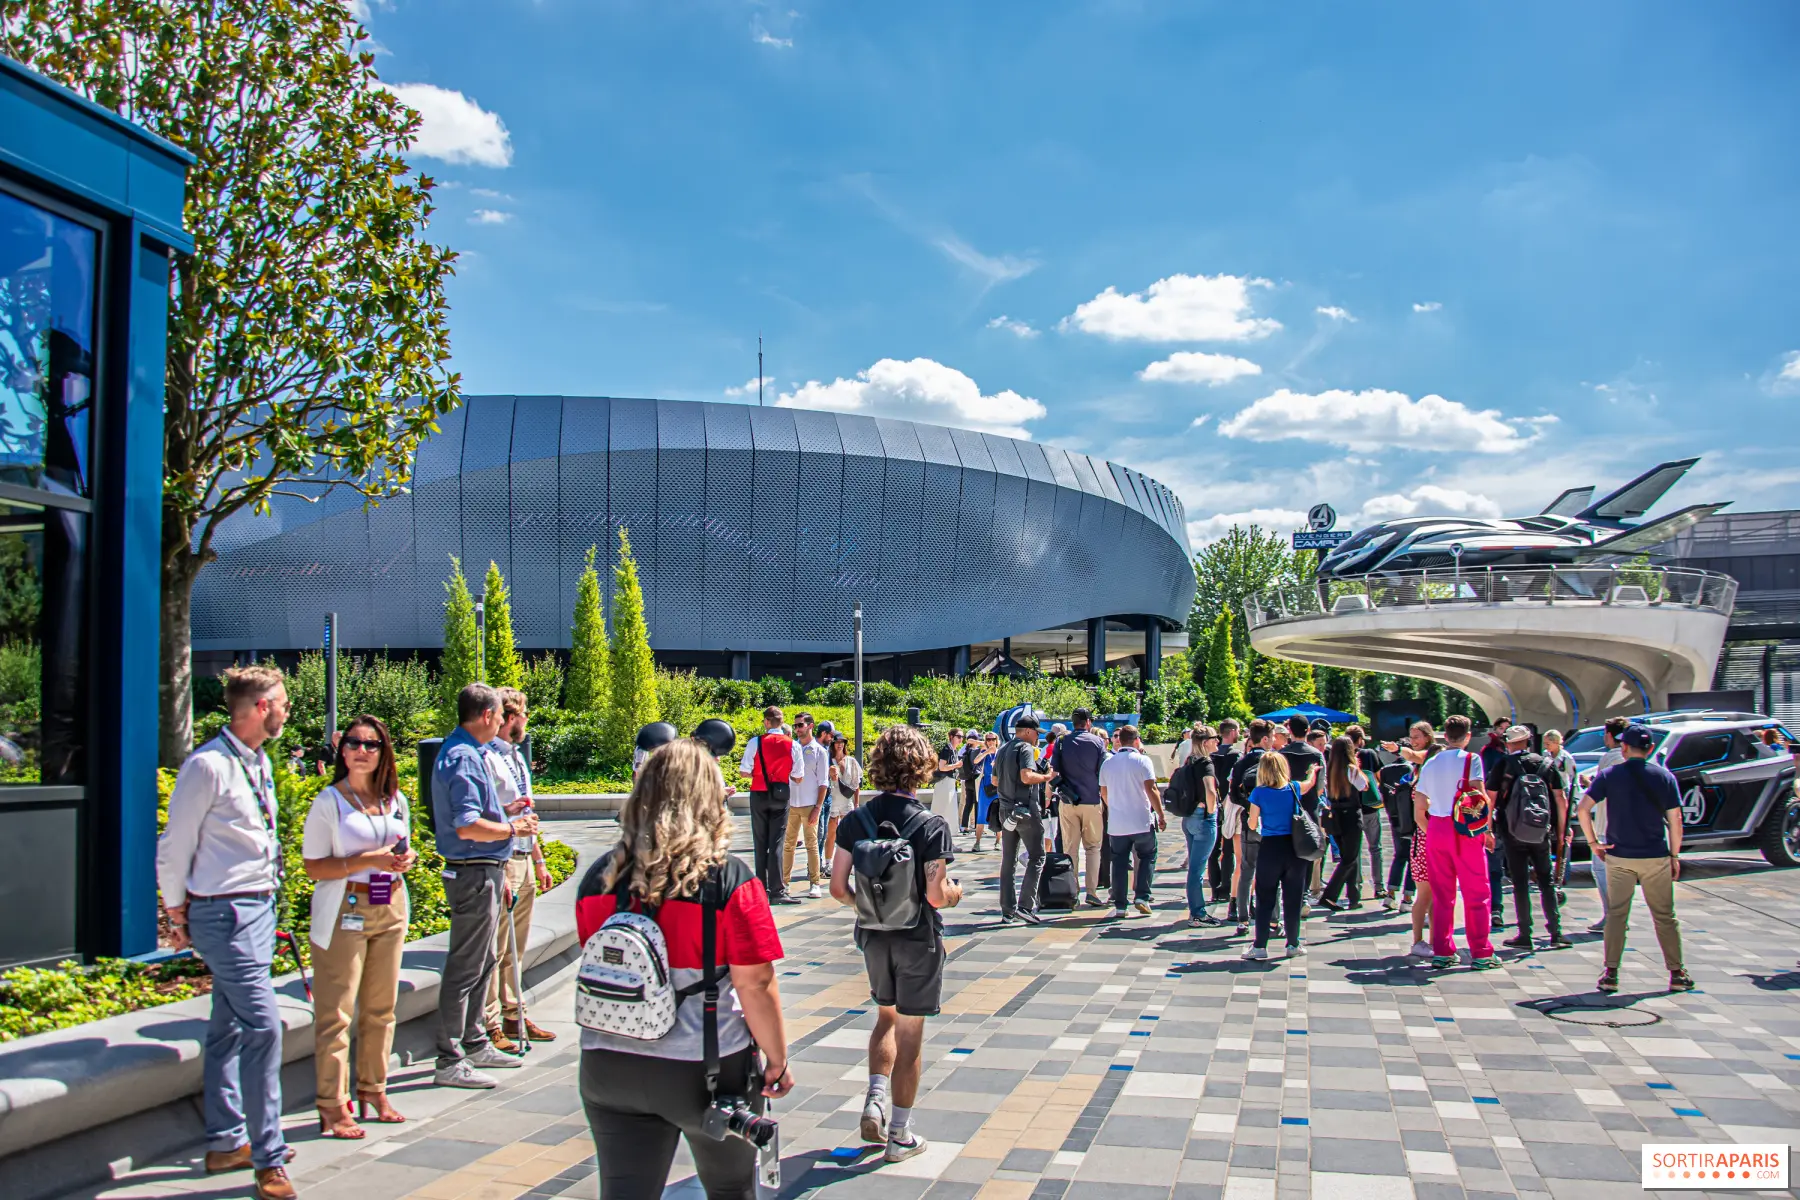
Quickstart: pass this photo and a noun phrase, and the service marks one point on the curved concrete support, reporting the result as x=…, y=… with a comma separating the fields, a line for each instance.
x=1553, y=665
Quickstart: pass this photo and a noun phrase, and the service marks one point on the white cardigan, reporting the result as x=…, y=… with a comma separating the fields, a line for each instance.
x=320, y=839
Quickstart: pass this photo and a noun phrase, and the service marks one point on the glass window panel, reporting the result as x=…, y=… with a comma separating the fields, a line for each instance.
x=48, y=285
x=43, y=555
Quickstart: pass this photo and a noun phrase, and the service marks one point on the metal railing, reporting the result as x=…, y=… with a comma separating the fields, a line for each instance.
x=1623, y=586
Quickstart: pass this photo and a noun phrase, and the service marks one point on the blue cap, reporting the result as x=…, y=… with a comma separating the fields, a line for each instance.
x=1638, y=738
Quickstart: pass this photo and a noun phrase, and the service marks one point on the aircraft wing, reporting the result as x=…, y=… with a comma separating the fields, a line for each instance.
x=1640, y=495
x=1646, y=537
x=1569, y=503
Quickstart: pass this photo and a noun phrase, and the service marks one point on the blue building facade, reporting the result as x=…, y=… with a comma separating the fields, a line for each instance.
x=90, y=221
x=755, y=529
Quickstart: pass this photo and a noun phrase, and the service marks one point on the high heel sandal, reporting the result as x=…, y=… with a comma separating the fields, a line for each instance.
x=335, y=1121
x=385, y=1113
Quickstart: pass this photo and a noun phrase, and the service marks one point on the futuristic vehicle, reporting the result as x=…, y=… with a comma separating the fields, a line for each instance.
x=1735, y=791
x=1570, y=530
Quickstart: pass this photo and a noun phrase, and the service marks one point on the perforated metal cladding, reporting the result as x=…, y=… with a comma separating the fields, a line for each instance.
x=821, y=509
x=486, y=484
x=676, y=574
x=728, y=591
x=860, y=528
x=775, y=497
x=822, y=601
x=535, y=581
x=631, y=489
x=582, y=519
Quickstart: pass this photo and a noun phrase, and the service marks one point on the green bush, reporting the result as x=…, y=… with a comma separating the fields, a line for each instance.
x=773, y=689
x=730, y=695
x=680, y=698
x=574, y=747
x=543, y=683
x=841, y=693
x=38, y=1000
x=883, y=697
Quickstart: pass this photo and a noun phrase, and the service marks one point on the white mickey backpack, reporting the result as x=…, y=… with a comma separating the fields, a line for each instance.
x=625, y=986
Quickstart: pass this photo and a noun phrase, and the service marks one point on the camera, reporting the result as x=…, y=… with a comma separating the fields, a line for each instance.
x=731, y=1116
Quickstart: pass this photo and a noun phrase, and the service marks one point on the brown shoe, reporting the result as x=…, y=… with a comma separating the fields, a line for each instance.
x=272, y=1183
x=531, y=1030
x=501, y=1042
x=220, y=1161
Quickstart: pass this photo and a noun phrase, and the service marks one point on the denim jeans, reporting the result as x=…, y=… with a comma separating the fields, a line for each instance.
x=1202, y=831
x=241, y=1069
x=1125, y=849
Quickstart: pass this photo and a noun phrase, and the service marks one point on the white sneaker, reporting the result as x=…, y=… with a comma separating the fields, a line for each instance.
x=492, y=1056
x=911, y=1148
x=1255, y=953
x=813, y=892
x=1296, y=949
x=1387, y=902
x=874, y=1120
x=1420, y=950
x=460, y=1074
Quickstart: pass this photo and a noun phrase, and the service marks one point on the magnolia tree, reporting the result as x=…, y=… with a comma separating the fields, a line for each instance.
x=308, y=334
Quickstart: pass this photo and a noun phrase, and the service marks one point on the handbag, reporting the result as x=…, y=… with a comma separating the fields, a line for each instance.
x=1309, y=839
x=774, y=789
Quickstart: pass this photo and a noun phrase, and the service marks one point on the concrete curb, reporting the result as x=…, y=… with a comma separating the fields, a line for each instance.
x=59, y=1084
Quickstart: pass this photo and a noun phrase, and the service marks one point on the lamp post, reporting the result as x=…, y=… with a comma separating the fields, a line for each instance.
x=856, y=626
x=331, y=675
x=481, y=638
x=1456, y=553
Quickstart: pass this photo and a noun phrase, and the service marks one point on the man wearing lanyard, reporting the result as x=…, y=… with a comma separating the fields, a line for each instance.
x=475, y=832
x=218, y=864
x=525, y=875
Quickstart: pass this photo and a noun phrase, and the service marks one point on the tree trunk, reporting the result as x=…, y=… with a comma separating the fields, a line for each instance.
x=176, y=695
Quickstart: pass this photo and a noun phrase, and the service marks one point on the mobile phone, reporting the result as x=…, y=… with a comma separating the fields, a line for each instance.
x=399, y=846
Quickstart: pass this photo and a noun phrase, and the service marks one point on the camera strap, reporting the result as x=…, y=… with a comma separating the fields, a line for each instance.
x=709, y=1025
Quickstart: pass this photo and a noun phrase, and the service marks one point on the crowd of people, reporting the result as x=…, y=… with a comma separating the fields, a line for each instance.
x=1259, y=806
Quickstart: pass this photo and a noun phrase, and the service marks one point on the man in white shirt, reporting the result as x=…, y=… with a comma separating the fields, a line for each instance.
x=524, y=873
x=1134, y=813
x=806, y=790
x=1456, y=848
x=1612, y=756
x=218, y=864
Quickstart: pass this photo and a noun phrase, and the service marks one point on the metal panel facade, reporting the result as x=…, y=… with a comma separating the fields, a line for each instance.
x=755, y=529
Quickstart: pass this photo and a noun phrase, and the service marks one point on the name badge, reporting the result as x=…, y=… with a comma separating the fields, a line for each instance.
x=352, y=923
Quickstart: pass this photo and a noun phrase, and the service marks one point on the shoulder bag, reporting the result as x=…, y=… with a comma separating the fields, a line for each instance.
x=774, y=789
x=1309, y=839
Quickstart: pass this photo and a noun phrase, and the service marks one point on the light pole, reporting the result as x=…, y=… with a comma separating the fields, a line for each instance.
x=331, y=675
x=481, y=638
x=856, y=626
x=1456, y=552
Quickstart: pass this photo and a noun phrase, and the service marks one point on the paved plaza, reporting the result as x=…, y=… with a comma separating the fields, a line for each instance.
x=1140, y=1060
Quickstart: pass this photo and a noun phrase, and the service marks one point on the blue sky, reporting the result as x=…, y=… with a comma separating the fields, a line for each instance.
x=1399, y=257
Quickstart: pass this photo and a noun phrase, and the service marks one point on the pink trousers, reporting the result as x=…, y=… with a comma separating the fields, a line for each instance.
x=1458, y=861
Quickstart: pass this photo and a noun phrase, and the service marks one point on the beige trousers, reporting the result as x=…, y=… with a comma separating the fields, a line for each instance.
x=1623, y=877
x=357, y=981
x=1083, y=829
x=521, y=877
x=805, y=822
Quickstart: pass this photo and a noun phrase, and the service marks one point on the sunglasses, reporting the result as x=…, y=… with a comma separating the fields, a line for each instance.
x=350, y=743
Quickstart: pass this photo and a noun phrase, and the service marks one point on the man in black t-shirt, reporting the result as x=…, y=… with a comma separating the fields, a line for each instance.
x=1302, y=760
x=906, y=967
x=1526, y=859
x=1224, y=856
x=1243, y=782
x=1019, y=782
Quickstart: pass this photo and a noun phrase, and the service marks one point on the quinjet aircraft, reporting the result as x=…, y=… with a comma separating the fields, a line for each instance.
x=1574, y=528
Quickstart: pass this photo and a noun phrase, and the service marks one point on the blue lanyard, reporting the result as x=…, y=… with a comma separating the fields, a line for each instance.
x=262, y=789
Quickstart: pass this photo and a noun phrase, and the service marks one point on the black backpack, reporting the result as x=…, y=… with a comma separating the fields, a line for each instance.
x=1181, y=797
x=888, y=892
x=1528, y=808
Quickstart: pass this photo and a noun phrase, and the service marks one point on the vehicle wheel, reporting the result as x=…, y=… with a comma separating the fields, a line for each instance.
x=1779, y=838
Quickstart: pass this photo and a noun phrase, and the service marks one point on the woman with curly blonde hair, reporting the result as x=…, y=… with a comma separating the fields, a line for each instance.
x=674, y=857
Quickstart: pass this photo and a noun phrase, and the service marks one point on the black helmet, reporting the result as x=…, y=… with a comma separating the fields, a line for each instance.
x=1319, y=725
x=716, y=735
x=655, y=735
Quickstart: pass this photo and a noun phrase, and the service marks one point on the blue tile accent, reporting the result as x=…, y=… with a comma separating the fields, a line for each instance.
x=1119, y=1067
x=1485, y=1099
x=1140, y=1033
x=1294, y=1121
x=1689, y=1112
x=1669, y=1087
x=1444, y=1020
x=1298, y=1032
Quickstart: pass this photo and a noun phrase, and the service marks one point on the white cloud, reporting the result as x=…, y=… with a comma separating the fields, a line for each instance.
x=1427, y=498
x=748, y=387
x=1788, y=377
x=763, y=37
x=919, y=390
x=1200, y=420
x=1003, y=269
x=1181, y=308
x=1334, y=312
x=1191, y=366
x=489, y=216
x=1016, y=328
x=1211, y=529
x=1377, y=419
x=1426, y=306
x=455, y=128
x=489, y=194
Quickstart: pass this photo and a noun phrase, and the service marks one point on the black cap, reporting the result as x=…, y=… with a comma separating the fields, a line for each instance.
x=656, y=735
x=1081, y=716
x=1638, y=738
x=716, y=735
x=1026, y=722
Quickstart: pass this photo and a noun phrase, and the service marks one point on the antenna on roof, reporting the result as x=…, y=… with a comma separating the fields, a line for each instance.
x=759, y=377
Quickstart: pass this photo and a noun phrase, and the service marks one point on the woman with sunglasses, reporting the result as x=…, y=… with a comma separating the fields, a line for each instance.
x=984, y=790
x=846, y=786
x=356, y=848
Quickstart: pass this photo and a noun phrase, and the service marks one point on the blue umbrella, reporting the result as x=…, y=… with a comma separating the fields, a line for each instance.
x=1310, y=712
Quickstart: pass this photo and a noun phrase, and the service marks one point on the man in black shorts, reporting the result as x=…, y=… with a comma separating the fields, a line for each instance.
x=906, y=966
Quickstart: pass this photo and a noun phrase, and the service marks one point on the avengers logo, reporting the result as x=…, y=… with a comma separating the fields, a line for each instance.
x=1693, y=806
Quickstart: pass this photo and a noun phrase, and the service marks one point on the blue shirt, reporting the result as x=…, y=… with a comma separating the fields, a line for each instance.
x=1637, y=793
x=1277, y=805
x=1078, y=757
x=461, y=794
